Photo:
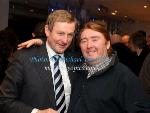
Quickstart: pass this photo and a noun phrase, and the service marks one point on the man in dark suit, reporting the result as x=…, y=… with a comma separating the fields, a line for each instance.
x=29, y=83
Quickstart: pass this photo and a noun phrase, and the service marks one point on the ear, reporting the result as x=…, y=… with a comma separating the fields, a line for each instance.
x=108, y=44
x=47, y=32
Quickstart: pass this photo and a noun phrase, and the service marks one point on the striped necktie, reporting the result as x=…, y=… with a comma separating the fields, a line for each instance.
x=59, y=87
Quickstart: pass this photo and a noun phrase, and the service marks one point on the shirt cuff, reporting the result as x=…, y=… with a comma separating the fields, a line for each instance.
x=34, y=110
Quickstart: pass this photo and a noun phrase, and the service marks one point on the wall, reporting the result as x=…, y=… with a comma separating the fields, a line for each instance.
x=130, y=27
x=4, y=9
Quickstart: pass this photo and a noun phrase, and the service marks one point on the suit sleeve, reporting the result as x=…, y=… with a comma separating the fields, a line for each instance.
x=145, y=75
x=134, y=97
x=11, y=88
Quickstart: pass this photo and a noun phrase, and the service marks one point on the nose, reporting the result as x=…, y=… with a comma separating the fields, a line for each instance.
x=89, y=44
x=65, y=39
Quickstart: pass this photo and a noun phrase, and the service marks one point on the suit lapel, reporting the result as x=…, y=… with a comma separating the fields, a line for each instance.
x=70, y=68
x=68, y=65
x=44, y=70
x=45, y=74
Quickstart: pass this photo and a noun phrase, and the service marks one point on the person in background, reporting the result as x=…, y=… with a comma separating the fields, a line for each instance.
x=104, y=84
x=125, y=39
x=142, y=32
x=138, y=45
x=37, y=80
x=115, y=38
x=8, y=44
x=125, y=55
x=39, y=30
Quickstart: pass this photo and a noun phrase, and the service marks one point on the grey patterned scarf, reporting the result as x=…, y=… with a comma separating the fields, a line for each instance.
x=92, y=69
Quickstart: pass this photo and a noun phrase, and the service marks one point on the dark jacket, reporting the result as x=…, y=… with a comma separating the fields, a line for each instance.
x=140, y=59
x=114, y=89
x=145, y=75
x=28, y=83
x=3, y=67
x=126, y=56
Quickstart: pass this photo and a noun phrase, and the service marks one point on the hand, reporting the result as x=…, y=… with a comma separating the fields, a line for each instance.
x=29, y=43
x=49, y=110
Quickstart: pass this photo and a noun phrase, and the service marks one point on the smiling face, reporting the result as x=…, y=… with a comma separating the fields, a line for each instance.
x=93, y=45
x=60, y=37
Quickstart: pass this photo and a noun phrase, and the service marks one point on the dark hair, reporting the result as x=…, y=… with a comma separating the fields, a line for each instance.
x=142, y=32
x=8, y=43
x=39, y=29
x=98, y=26
x=138, y=39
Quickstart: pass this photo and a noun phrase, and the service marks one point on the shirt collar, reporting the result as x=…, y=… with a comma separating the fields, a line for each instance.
x=51, y=52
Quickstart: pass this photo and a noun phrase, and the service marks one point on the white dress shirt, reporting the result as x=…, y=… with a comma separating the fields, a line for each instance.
x=63, y=71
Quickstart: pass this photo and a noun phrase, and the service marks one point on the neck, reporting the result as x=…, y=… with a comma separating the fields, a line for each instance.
x=96, y=60
x=92, y=63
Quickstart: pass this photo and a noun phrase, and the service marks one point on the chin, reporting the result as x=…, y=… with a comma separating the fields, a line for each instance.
x=60, y=51
x=91, y=56
x=89, y=59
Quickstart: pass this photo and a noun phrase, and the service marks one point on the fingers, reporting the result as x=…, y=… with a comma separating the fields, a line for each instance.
x=24, y=44
x=39, y=42
x=29, y=43
x=20, y=46
x=49, y=110
x=52, y=111
x=32, y=42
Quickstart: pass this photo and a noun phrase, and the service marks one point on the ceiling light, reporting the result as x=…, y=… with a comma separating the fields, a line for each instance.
x=116, y=11
x=52, y=9
x=113, y=13
x=99, y=9
x=145, y=6
x=102, y=8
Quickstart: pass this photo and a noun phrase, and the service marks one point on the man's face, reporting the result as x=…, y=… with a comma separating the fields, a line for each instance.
x=93, y=45
x=59, y=39
x=125, y=40
x=132, y=46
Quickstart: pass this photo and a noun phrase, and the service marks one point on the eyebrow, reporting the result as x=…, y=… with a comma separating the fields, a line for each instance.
x=94, y=37
x=71, y=33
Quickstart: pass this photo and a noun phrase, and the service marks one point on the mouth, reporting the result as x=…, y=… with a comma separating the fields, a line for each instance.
x=91, y=52
x=63, y=46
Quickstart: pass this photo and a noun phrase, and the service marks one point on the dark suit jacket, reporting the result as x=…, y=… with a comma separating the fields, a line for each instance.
x=28, y=83
x=145, y=75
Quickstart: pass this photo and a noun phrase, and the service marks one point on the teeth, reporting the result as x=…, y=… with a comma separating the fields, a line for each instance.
x=91, y=51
